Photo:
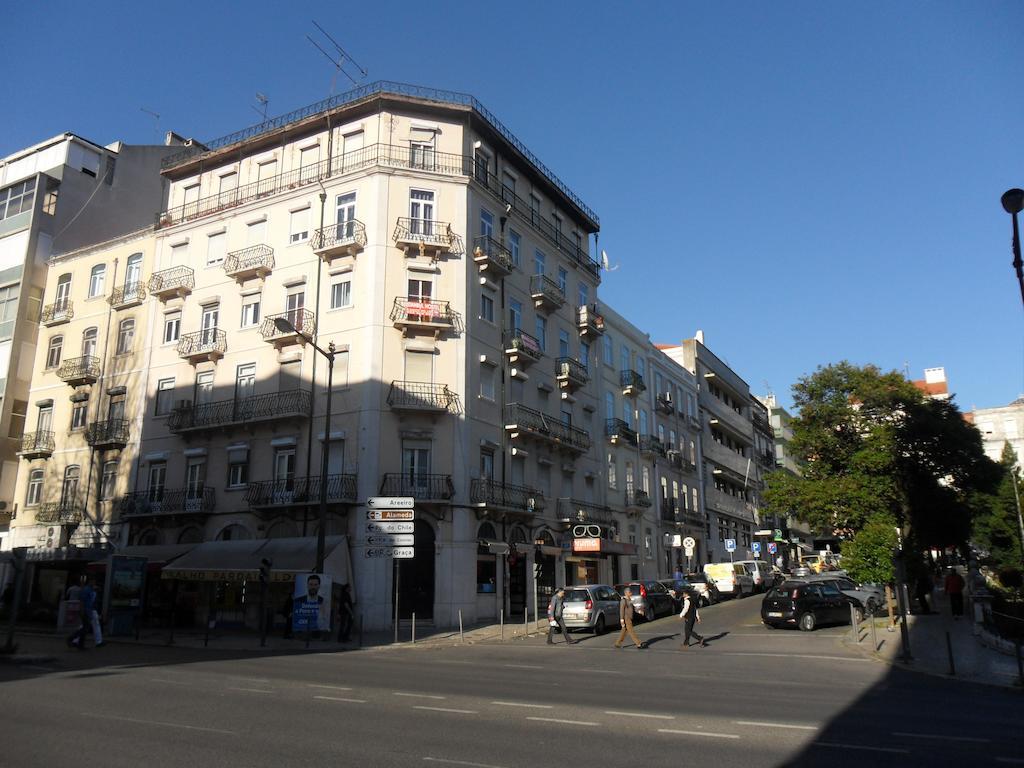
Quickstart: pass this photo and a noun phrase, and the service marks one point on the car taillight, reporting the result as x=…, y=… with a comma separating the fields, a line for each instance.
x=589, y=604
x=794, y=594
x=643, y=591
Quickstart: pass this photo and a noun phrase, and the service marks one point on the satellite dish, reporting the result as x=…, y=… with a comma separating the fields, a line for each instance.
x=604, y=262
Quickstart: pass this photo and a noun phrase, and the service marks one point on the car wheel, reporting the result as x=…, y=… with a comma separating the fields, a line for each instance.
x=872, y=606
x=703, y=602
x=599, y=628
x=808, y=622
x=858, y=613
x=652, y=612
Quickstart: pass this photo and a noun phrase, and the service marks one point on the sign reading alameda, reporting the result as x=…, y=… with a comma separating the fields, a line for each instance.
x=390, y=514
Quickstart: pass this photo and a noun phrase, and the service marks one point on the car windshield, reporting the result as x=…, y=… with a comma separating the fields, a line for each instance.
x=576, y=596
x=697, y=578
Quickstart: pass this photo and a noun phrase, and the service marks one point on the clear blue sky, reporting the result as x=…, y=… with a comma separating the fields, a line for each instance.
x=806, y=182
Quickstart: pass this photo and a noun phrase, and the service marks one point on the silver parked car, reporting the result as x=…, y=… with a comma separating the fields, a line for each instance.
x=591, y=606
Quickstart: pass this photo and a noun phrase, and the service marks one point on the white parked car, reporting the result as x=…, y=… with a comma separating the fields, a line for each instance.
x=730, y=578
x=760, y=572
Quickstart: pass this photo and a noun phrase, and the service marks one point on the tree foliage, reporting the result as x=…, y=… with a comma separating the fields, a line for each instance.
x=996, y=532
x=868, y=555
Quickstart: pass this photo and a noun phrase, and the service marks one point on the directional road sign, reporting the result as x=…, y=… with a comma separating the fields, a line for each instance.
x=390, y=514
x=398, y=553
x=391, y=502
x=390, y=540
x=405, y=527
x=730, y=545
x=689, y=543
x=755, y=547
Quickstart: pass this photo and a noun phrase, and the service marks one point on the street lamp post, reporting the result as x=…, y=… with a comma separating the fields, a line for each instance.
x=1013, y=202
x=284, y=325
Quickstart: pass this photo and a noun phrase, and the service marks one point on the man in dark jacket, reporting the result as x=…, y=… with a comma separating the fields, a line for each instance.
x=555, y=617
x=626, y=620
x=690, y=616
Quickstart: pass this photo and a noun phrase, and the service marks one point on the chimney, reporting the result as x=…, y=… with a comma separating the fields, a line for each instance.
x=699, y=335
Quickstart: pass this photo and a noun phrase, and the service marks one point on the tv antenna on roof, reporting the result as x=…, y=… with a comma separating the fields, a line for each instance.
x=155, y=117
x=262, y=108
x=340, y=60
x=604, y=262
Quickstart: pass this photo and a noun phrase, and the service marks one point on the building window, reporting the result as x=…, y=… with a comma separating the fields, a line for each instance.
x=238, y=467
x=89, y=342
x=250, y=311
x=79, y=415
x=515, y=314
x=256, y=232
x=421, y=211
x=541, y=332
x=108, y=481
x=486, y=308
x=422, y=155
x=585, y=355
x=563, y=280
x=17, y=198
x=69, y=489
x=534, y=209
x=481, y=166
x=341, y=294
x=35, y=488
x=486, y=223
x=609, y=350
x=226, y=185
x=125, y=336
x=299, y=226
x=613, y=471
x=487, y=382
x=9, y=311
x=172, y=328
x=345, y=214
x=513, y=246
x=53, y=352
x=583, y=294
x=215, y=247
x=563, y=343
x=97, y=278
x=164, y=396
x=539, y=262
x=50, y=201
x=627, y=359
x=609, y=405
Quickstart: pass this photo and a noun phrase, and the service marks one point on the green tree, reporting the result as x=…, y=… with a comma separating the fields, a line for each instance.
x=996, y=531
x=868, y=555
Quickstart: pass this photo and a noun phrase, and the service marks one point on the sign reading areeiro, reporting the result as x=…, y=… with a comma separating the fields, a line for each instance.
x=391, y=502
x=390, y=527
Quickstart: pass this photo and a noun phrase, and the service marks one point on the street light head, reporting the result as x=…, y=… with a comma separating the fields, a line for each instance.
x=1013, y=200
x=284, y=325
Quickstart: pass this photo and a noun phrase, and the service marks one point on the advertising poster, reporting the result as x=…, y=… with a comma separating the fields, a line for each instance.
x=127, y=577
x=311, y=603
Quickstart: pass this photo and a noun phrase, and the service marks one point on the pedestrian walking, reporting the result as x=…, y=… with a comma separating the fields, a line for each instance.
x=690, y=616
x=626, y=620
x=87, y=597
x=955, y=592
x=555, y=609
x=345, y=611
x=923, y=591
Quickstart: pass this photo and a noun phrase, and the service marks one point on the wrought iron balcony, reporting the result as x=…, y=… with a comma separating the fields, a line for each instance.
x=618, y=431
x=128, y=295
x=578, y=511
x=436, y=316
x=651, y=444
x=637, y=499
x=303, y=321
x=346, y=238
x=667, y=510
x=570, y=373
x=422, y=396
x=676, y=459
x=57, y=313
x=168, y=501
x=521, y=420
x=59, y=512
x=522, y=348
x=589, y=322
x=112, y=433
x=632, y=383
x=492, y=257
x=426, y=237
x=490, y=493
x=290, y=404
x=301, y=491
x=247, y=263
x=209, y=344
x=664, y=403
x=176, y=282
x=546, y=293
x=420, y=487
x=77, y=371
x=37, y=445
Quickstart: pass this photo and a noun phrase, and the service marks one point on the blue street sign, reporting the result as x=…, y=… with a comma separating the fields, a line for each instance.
x=755, y=547
x=773, y=547
x=730, y=545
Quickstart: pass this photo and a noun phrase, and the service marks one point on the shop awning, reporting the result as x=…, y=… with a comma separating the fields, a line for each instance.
x=155, y=554
x=241, y=560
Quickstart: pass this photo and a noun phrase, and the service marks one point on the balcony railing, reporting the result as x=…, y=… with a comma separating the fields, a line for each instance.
x=637, y=498
x=718, y=454
x=37, y=445
x=420, y=487
x=59, y=512
x=651, y=444
x=570, y=373
x=426, y=235
x=521, y=346
x=664, y=403
x=492, y=256
x=207, y=344
x=346, y=238
x=176, y=281
x=675, y=459
x=168, y=501
x=80, y=370
x=589, y=321
x=632, y=383
x=546, y=293
x=725, y=417
x=432, y=315
x=289, y=404
x=58, y=312
x=112, y=433
x=302, y=320
x=422, y=396
x=618, y=431
x=254, y=261
x=577, y=511
x=519, y=418
x=518, y=497
x=667, y=510
x=729, y=504
x=304, y=491
x=129, y=295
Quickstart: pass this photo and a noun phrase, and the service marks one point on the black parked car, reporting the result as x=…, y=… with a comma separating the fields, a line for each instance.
x=806, y=605
x=650, y=597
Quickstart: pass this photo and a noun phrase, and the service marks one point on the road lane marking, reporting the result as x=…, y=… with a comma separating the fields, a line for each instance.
x=171, y=682
x=974, y=739
x=158, y=722
x=1010, y=760
x=523, y=666
x=862, y=747
x=418, y=695
x=249, y=690
x=448, y=709
x=522, y=704
x=460, y=762
x=329, y=687
x=794, y=656
x=562, y=722
x=638, y=714
x=777, y=725
x=700, y=733
x=604, y=671
x=339, y=698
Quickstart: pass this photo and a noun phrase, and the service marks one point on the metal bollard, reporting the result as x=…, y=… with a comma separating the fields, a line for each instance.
x=874, y=635
x=526, y=622
x=891, y=626
x=462, y=637
x=949, y=649
x=414, y=627
x=502, y=620
x=853, y=624
x=360, y=630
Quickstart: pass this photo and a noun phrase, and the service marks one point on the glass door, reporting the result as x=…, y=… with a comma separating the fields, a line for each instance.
x=415, y=471
x=63, y=292
x=157, y=482
x=133, y=274
x=195, y=475
x=245, y=387
x=421, y=212
x=346, y=214
x=293, y=305
x=211, y=315
x=284, y=475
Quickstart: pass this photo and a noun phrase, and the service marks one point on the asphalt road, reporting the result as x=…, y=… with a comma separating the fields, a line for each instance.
x=755, y=697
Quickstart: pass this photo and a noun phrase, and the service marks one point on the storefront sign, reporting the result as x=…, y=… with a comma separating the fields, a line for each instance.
x=586, y=545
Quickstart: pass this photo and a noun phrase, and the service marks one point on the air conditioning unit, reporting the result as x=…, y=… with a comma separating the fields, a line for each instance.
x=56, y=536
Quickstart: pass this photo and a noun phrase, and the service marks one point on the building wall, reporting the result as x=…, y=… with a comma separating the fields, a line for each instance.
x=999, y=426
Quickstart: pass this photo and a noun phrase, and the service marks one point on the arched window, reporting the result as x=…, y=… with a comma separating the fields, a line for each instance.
x=53, y=352
x=133, y=272
x=234, y=533
x=191, y=535
x=125, y=336
x=97, y=280
x=69, y=490
x=35, y=488
x=282, y=529
x=89, y=342
x=148, y=538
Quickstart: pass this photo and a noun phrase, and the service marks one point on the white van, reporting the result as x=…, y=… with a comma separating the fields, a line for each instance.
x=760, y=572
x=730, y=578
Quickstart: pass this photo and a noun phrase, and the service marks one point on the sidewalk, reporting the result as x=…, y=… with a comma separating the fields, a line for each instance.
x=972, y=661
